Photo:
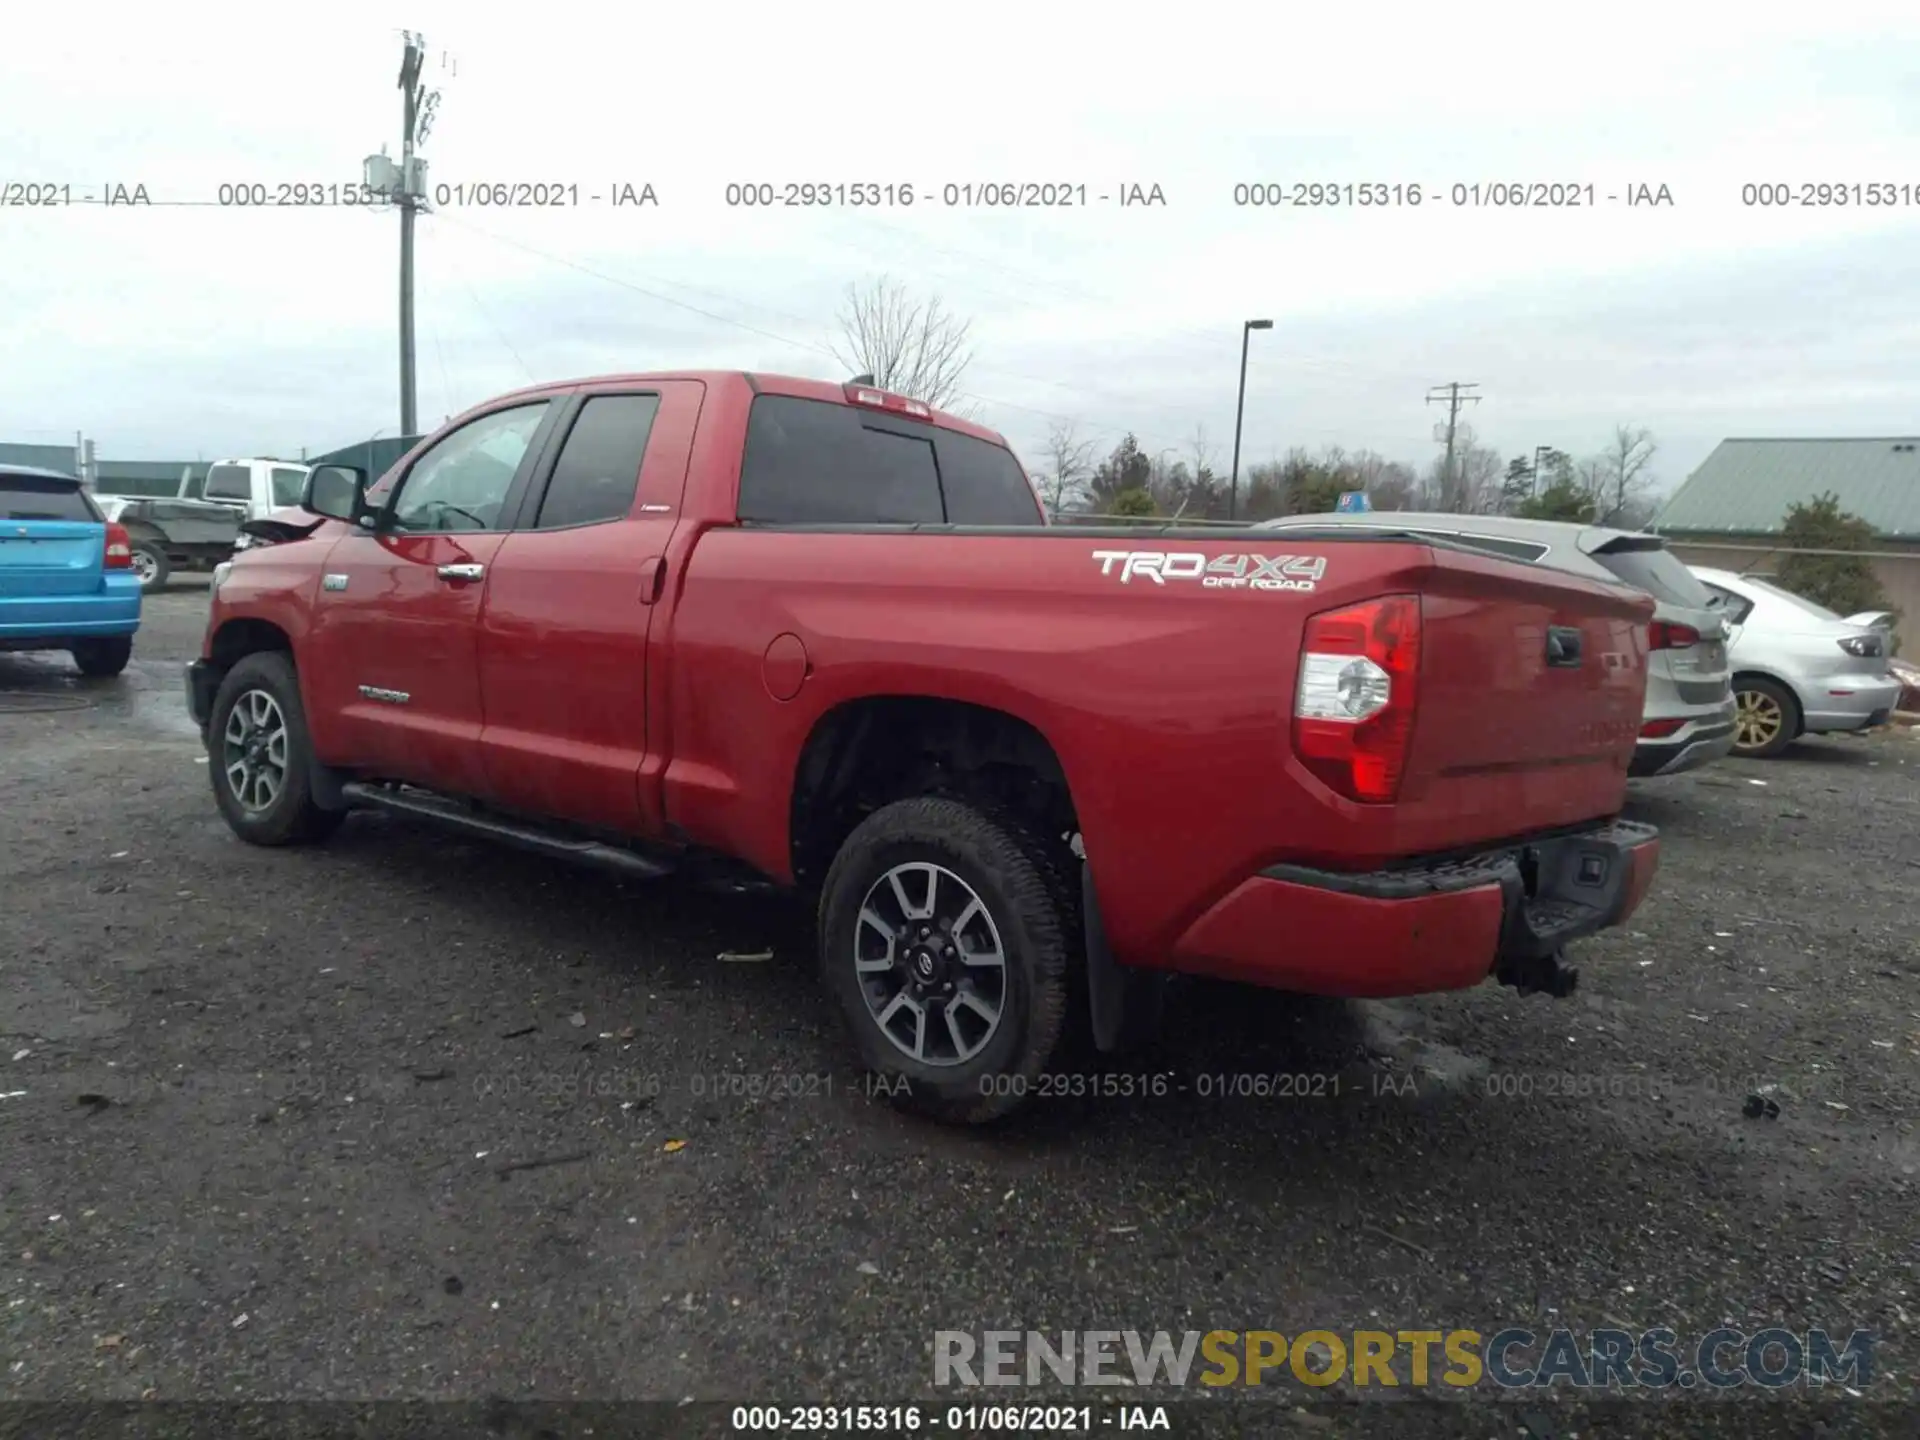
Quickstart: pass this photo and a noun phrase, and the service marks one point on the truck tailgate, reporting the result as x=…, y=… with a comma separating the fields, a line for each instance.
x=1531, y=688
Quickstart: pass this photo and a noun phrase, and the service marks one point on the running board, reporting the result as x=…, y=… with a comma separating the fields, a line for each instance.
x=452, y=815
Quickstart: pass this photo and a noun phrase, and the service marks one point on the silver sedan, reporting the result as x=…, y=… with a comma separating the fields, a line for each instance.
x=1799, y=669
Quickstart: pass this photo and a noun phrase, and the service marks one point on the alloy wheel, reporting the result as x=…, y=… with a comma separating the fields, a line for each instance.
x=254, y=750
x=1757, y=719
x=930, y=963
x=145, y=567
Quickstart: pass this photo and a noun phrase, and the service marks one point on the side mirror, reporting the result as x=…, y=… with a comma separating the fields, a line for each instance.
x=338, y=492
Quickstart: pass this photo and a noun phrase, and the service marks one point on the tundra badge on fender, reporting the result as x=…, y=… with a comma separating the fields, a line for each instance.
x=1221, y=572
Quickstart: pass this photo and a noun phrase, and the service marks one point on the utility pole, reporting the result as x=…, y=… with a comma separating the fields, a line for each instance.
x=1451, y=393
x=1540, y=452
x=405, y=185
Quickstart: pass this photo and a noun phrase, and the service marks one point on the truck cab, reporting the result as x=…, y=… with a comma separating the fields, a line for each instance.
x=256, y=486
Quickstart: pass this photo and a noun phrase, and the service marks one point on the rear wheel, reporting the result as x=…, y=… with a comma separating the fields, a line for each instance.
x=1766, y=717
x=945, y=935
x=150, y=563
x=260, y=758
x=104, y=658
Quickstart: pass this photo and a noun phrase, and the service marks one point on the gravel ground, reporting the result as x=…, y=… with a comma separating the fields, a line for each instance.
x=411, y=1117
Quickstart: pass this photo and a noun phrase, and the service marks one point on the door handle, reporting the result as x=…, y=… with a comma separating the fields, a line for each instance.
x=462, y=572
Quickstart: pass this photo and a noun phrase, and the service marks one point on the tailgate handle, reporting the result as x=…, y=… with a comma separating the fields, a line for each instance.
x=1563, y=647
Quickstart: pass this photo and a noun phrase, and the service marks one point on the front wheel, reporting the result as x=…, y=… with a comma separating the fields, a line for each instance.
x=945, y=935
x=259, y=756
x=1766, y=717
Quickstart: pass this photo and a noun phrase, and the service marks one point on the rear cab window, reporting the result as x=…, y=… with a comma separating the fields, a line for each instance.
x=230, y=482
x=1659, y=573
x=45, y=497
x=814, y=462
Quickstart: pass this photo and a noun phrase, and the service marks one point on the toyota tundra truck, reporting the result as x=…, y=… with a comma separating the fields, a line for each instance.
x=1029, y=770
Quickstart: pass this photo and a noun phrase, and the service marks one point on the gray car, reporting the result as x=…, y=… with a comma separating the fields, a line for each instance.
x=1689, y=715
x=1799, y=668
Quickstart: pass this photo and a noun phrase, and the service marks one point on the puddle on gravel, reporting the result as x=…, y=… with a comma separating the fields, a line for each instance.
x=150, y=694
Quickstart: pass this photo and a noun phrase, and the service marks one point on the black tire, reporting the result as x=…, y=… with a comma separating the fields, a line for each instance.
x=157, y=558
x=1035, y=914
x=288, y=816
x=1756, y=697
x=104, y=658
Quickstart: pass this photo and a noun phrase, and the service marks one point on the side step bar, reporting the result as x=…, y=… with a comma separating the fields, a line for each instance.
x=452, y=815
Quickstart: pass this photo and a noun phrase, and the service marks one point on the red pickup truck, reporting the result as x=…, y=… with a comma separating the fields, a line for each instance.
x=1030, y=770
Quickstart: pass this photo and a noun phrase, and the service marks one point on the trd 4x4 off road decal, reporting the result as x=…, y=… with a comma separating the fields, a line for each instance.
x=1220, y=572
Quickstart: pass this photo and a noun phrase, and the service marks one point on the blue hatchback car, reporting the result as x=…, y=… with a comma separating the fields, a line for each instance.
x=66, y=573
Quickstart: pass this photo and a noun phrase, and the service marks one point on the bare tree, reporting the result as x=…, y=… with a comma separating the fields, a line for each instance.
x=1474, y=486
x=911, y=347
x=1622, y=475
x=1069, y=467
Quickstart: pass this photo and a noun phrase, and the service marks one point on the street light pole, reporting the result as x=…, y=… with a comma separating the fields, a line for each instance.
x=1239, y=413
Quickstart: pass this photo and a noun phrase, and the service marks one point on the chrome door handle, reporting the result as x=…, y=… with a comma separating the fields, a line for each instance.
x=462, y=572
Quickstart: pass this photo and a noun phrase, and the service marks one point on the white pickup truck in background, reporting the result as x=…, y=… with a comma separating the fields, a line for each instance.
x=260, y=486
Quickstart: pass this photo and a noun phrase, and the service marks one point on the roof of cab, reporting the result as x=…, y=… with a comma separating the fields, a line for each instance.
x=799, y=387
x=36, y=473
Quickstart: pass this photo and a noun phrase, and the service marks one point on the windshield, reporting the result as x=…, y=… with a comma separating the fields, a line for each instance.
x=1799, y=602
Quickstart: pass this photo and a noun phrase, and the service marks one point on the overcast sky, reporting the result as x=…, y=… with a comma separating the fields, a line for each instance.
x=196, y=330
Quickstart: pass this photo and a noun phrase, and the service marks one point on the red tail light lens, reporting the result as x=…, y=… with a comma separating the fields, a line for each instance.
x=1353, y=707
x=119, y=547
x=1664, y=636
x=1660, y=729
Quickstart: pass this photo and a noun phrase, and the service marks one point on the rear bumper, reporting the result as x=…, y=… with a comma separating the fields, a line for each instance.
x=49, y=622
x=1416, y=929
x=1869, y=699
x=1697, y=743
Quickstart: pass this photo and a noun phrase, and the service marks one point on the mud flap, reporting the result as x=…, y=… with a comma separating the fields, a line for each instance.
x=1127, y=1003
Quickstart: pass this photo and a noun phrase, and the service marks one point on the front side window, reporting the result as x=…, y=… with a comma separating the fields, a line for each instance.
x=287, y=485
x=462, y=482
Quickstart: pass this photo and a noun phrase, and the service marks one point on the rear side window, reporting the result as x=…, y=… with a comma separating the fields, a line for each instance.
x=1658, y=573
x=812, y=462
x=1735, y=607
x=36, y=497
x=599, y=466
x=229, y=482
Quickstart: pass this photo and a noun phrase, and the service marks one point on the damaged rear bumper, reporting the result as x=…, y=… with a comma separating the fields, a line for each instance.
x=1431, y=925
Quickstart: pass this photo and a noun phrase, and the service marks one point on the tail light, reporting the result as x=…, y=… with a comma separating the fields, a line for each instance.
x=1661, y=635
x=119, y=547
x=1660, y=729
x=1353, y=708
x=1865, y=646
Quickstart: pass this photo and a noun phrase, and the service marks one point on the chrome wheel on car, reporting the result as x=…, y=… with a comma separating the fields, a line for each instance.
x=930, y=964
x=1758, y=719
x=146, y=567
x=254, y=749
